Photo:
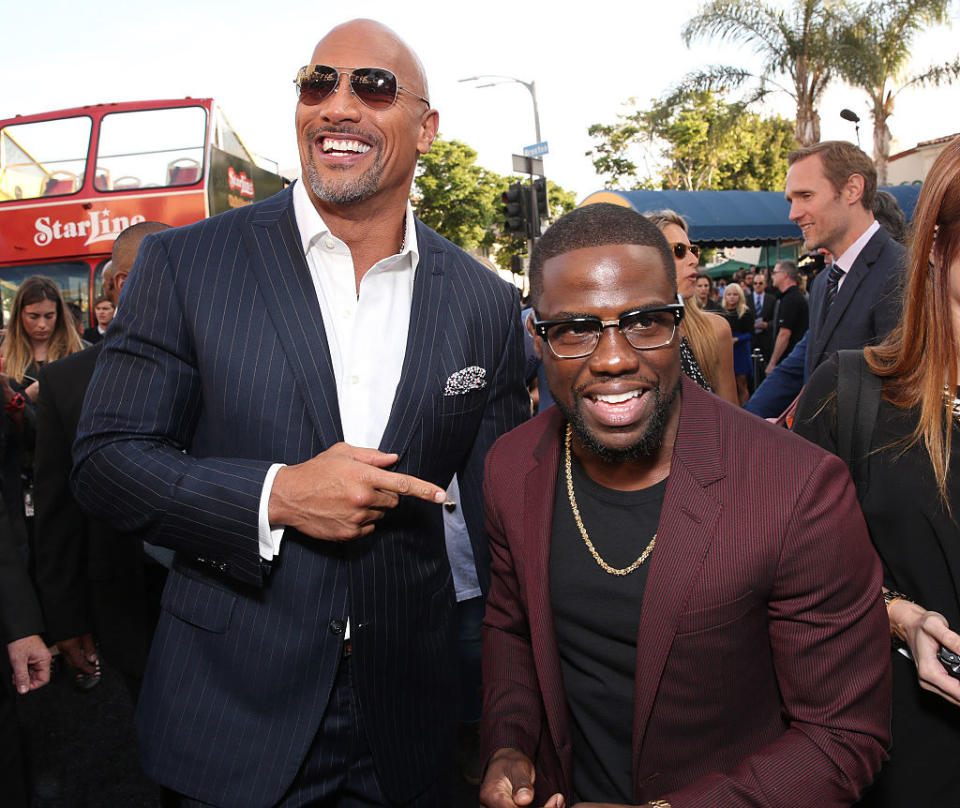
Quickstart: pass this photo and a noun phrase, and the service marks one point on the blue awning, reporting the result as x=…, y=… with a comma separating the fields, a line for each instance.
x=731, y=218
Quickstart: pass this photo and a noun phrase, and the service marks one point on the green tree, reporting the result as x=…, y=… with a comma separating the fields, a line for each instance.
x=700, y=141
x=875, y=53
x=456, y=197
x=796, y=46
x=461, y=200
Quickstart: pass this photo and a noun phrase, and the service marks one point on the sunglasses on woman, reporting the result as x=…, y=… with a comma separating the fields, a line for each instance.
x=680, y=250
x=374, y=87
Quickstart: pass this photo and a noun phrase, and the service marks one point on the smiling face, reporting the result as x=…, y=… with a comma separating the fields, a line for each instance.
x=39, y=320
x=687, y=266
x=349, y=152
x=618, y=400
x=816, y=207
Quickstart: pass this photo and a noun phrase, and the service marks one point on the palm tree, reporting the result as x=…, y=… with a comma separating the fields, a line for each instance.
x=797, y=44
x=874, y=55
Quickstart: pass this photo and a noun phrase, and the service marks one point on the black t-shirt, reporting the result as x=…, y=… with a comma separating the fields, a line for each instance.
x=596, y=615
x=792, y=313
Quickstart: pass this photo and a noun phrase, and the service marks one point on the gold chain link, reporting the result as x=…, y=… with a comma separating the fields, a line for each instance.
x=583, y=531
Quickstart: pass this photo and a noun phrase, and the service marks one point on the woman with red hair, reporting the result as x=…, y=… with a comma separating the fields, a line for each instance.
x=908, y=483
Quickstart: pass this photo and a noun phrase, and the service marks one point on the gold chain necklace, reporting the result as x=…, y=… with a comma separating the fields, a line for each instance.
x=583, y=531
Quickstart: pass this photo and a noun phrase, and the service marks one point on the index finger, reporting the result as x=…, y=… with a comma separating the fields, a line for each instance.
x=406, y=485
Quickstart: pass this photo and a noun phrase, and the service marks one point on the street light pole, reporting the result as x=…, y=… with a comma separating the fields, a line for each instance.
x=530, y=85
x=532, y=89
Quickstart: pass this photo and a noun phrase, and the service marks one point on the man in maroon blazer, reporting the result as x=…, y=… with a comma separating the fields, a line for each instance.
x=652, y=636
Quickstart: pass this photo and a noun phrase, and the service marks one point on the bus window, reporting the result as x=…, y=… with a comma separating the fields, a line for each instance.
x=151, y=148
x=45, y=158
x=73, y=278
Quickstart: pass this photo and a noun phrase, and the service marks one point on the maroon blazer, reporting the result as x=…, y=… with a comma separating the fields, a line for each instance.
x=763, y=651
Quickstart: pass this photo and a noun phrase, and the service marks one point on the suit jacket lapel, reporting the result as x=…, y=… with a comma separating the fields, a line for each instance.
x=538, y=504
x=277, y=261
x=687, y=527
x=848, y=291
x=428, y=320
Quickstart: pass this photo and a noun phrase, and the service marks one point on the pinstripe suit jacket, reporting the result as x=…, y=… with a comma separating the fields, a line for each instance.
x=217, y=366
x=762, y=674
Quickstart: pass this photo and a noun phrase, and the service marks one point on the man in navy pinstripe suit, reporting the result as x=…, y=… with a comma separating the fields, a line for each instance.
x=286, y=392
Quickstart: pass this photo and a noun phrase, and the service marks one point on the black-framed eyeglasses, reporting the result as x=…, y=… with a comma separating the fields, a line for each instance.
x=375, y=87
x=643, y=329
x=680, y=250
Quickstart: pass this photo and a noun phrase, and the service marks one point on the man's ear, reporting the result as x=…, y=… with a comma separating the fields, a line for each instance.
x=429, y=125
x=853, y=190
x=537, y=342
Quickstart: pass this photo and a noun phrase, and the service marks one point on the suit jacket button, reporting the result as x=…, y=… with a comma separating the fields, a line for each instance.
x=337, y=626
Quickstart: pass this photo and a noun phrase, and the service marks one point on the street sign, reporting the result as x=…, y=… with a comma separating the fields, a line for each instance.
x=528, y=165
x=536, y=150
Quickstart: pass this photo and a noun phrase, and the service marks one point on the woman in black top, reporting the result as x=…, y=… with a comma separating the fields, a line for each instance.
x=909, y=488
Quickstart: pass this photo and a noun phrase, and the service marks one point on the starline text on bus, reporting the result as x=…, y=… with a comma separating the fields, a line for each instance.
x=97, y=227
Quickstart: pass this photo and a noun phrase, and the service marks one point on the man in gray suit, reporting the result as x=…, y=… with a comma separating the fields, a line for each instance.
x=286, y=391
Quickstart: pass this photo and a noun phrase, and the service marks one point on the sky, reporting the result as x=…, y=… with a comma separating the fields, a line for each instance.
x=586, y=62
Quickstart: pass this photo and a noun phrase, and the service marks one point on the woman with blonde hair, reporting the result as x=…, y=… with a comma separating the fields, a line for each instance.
x=892, y=412
x=741, y=320
x=40, y=330
x=706, y=345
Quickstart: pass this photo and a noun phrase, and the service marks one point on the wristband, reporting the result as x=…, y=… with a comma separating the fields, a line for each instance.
x=889, y=596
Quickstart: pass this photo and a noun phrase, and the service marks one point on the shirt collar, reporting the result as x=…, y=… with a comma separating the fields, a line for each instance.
x=850, y=255
x=311, y=225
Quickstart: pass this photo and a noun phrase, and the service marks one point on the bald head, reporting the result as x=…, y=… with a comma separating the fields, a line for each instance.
x=379, y=46
x=124, y=254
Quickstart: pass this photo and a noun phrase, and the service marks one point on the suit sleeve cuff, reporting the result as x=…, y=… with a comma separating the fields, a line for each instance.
x=269, y=535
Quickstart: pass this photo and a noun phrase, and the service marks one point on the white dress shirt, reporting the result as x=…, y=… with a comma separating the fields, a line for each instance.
x=366, y=333
x=850, y=255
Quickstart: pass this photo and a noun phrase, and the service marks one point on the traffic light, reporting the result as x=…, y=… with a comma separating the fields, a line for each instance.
x=543, y=207
x=516, y=205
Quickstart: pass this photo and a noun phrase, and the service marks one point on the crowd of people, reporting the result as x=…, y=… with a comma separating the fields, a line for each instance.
x=338, y=563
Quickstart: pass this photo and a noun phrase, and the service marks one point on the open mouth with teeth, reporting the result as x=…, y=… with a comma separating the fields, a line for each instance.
x=618, y=398
x=617, y=409
x=345, y=146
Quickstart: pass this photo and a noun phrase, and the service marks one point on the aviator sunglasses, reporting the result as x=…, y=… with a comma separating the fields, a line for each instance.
x=680, y=250
x=375, y=87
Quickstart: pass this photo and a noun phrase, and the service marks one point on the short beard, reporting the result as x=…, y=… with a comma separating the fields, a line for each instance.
x=344, y=192
x=648, y=443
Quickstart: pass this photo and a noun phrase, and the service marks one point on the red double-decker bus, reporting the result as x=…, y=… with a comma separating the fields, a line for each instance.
x=72, y=180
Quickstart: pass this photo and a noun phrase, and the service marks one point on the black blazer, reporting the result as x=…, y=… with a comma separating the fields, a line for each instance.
x=20, y=614
x=763, y=339
x=919, y=544
x=217, y=366
x=766, y=310
x=867, y=306
x=89, y=577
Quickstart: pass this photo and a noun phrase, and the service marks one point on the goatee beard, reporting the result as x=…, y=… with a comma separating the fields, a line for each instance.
x=648, y=443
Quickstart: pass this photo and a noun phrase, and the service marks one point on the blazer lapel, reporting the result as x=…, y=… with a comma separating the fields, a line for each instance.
x=428, y=320
x=688, y=524
x=538, y=503
x=277, y=261
x=848, y=291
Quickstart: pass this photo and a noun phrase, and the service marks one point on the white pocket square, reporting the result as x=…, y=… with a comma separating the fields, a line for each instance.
x=465, y=381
